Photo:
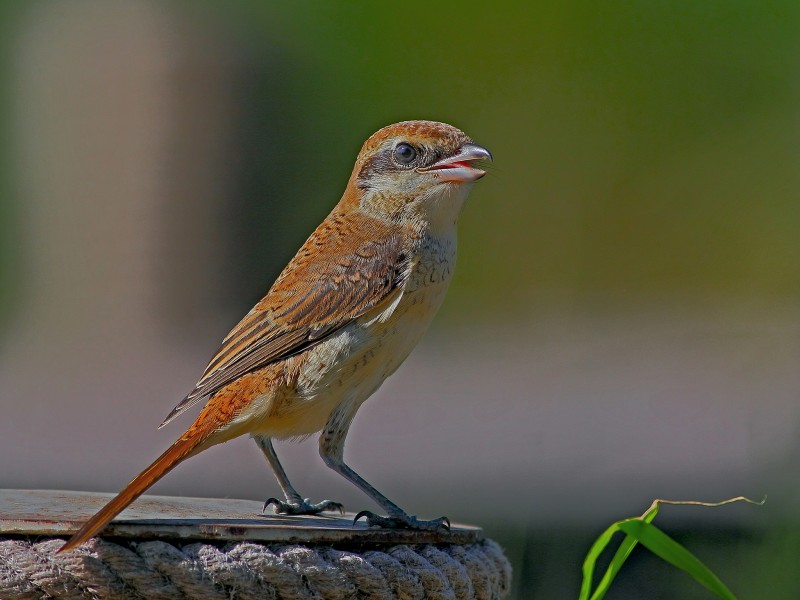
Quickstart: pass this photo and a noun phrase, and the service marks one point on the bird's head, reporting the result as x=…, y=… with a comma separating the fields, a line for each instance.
x=416, y=170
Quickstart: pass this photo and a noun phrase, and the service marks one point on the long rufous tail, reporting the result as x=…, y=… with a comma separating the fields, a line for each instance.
x=176, y=453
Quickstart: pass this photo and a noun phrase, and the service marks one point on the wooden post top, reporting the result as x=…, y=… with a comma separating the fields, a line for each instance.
x=52, y=513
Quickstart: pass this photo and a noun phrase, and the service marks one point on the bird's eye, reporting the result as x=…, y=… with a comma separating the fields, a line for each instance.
x=405, y=153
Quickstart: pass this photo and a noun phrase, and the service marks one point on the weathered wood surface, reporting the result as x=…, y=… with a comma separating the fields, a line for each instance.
x=51, y=513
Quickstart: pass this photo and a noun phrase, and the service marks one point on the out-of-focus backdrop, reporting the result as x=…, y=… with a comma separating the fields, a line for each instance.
x=624, y=322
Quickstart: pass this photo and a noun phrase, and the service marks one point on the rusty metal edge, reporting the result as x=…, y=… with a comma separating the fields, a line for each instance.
x=246, y=531
x=258, y=528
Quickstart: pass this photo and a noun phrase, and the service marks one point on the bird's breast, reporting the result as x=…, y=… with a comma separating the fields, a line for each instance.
x=371, y=348
x=353, y=362
x=433, y=266
x=424, y=291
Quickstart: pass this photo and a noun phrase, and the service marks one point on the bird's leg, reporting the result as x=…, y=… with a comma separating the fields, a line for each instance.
x=295, y=504
x=331, y=448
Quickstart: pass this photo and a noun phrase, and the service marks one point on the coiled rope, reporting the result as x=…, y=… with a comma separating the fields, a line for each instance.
x=155, y=570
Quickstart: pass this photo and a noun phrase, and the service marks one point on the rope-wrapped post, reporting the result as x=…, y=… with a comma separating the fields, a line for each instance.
x=178, y=548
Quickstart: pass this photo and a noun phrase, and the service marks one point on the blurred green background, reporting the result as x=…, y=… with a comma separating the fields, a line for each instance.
x=624, y=320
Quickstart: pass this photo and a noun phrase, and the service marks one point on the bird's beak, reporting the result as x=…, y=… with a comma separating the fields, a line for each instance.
x=457, y=167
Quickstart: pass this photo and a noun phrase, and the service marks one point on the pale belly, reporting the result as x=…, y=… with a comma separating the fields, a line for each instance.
x=344, y=370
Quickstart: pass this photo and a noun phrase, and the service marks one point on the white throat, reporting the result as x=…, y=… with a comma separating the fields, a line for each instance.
x=440, y=208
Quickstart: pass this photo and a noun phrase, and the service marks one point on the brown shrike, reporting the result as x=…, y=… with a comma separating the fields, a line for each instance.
x=341, y=317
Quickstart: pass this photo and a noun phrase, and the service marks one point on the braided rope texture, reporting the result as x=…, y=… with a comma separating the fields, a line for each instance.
x=242, y=571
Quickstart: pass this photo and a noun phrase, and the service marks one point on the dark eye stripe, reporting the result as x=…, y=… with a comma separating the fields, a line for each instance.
x=385, y=161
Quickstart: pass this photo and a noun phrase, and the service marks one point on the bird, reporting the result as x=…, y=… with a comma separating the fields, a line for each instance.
x=339, y=319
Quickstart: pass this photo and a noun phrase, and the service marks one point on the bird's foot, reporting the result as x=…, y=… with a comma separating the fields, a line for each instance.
x=303, y=507
x=402, y=521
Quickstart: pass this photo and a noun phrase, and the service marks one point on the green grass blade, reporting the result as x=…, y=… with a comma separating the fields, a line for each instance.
x=671, y=551
x=591, y=559
x=620, y=556
x=639, y=529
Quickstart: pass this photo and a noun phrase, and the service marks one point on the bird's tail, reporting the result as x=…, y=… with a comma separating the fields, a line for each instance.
x=176, y=453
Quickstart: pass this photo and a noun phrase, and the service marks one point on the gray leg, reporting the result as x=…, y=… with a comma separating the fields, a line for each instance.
x=295, y=504
x=331, y=448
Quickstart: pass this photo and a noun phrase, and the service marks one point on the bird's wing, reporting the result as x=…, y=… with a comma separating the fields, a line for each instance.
x=333, y=280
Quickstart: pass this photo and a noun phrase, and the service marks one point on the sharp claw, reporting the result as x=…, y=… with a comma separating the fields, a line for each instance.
x=364, y=513
x=404, y=522
x=269, y=501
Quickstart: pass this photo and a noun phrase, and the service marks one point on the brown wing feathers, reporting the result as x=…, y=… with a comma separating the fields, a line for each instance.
x=334, y=285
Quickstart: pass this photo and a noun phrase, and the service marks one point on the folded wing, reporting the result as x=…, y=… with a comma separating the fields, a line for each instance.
x=332, y=281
